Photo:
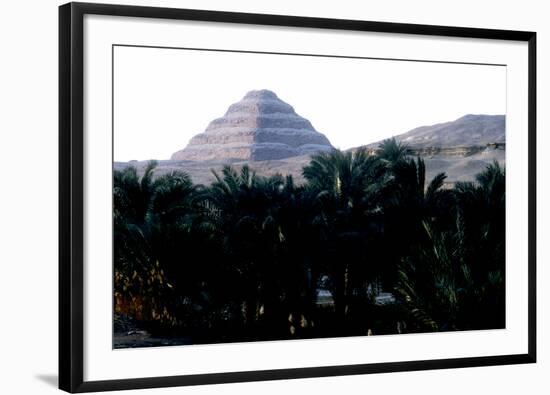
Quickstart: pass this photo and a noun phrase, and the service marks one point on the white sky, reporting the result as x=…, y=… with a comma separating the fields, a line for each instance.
x=163, y=97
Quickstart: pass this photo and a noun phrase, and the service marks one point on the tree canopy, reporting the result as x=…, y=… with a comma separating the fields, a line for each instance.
x=255, y=258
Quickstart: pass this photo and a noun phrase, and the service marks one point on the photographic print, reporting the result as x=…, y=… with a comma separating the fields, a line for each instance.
x=270, y=196
x=247, y=197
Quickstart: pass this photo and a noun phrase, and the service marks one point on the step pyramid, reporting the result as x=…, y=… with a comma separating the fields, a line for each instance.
x=259, y=127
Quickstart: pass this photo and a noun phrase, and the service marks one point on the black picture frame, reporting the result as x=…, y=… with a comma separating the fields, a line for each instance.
x=71, y=195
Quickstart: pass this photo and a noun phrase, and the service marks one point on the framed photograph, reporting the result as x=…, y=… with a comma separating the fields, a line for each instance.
x=251, y=197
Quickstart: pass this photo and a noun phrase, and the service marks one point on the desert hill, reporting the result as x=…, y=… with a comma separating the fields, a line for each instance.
x=469, y=130
x=460, y=148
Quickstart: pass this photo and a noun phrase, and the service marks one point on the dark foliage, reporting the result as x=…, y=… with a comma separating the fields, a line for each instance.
x=251, y=258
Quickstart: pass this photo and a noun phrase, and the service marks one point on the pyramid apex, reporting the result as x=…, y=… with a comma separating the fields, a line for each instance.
x=261, y=94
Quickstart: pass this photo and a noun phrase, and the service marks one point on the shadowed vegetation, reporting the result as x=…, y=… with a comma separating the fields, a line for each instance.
x=366, y=245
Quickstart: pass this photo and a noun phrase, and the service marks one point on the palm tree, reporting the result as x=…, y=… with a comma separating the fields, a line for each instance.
x=454, y=278
x=392, y=151
x=174, y=213
x=408, y=202
x=343, y=176
x=131, y=203
x=266, y=229
x=346, y=186
x=410, y=183
x=151, y=219
x=133, y=259
x=481, y=212
x=174, y=196
x=429, y=281
x=132, y=195
x=299, y=252
x=242, y=210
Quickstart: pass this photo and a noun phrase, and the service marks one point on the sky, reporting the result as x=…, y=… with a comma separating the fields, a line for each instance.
x=163, y=97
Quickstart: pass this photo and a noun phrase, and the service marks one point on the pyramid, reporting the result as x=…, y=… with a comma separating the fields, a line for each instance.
x=259, y=127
